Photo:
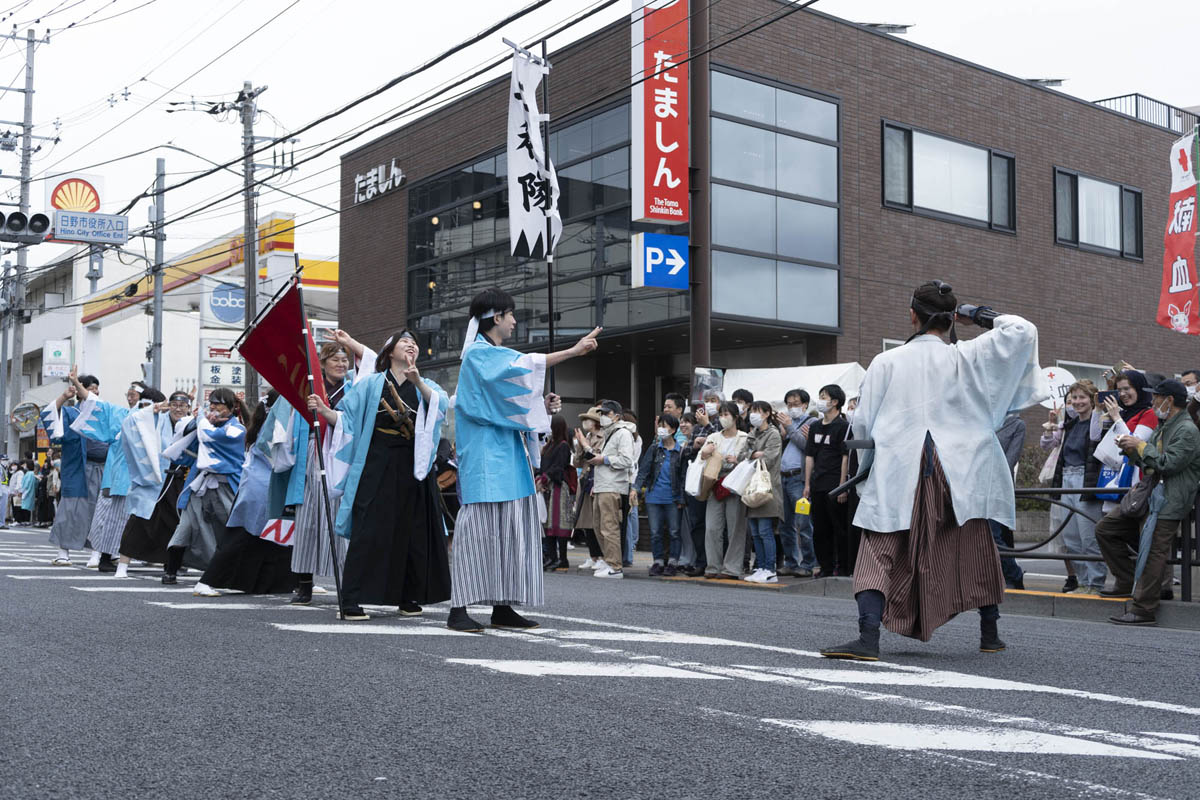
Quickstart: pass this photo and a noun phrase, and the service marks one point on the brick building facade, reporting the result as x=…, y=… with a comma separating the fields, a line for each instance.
x=1093, y=305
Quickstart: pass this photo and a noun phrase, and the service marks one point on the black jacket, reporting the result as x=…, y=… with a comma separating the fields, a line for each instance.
x=1091, y=467
x=652, y=461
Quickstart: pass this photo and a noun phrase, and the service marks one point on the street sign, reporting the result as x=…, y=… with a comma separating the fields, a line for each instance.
x=25, y=417
x=224, y=305
x=80, y=226
x=660, y=259
x=56, y=359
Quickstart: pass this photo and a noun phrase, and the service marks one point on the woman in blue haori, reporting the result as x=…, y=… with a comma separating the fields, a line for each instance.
x=294, y=458
x=154, y=495
x=155, y=480
x=79, y=474
x=101, y=421
x=385, y=436
x=499, y=412
x=244, y=561
x=219, y=440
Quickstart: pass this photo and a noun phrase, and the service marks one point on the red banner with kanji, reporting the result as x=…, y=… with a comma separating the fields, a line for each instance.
x=1178, y=303
x=281, y=348
x=659, y=112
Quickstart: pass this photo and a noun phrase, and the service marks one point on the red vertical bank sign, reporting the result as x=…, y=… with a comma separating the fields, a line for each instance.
x=659, y=161
x=1178, y=303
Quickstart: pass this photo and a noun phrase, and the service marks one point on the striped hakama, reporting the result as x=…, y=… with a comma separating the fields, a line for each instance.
x=108, y=523
x=310, y=541
x=200, y=521
x=934, y=570
x=497, y=555
x=73, y=517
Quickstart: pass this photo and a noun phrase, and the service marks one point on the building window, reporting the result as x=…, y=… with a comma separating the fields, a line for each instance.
x=775, y=202
x=1098, y=215
x=932, y=174
x=892, y=344
x=1082, y=370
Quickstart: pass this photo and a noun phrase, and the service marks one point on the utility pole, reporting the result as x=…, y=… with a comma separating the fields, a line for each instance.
x=4, y=318
x=160, y=241
x=17, y=310
x=250, y=259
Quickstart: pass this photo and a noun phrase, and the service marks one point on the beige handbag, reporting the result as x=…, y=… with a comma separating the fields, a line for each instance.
x=758, y=491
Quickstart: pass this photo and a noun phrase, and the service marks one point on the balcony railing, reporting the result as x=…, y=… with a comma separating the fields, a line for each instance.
x=1152, y=112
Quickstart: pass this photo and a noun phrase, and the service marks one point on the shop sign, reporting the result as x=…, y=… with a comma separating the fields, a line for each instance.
x=377, y=181
x=56, y=359
x=659, y=159
x=660, y=260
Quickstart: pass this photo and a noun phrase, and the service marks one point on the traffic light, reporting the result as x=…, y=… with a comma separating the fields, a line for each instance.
x=16, y=227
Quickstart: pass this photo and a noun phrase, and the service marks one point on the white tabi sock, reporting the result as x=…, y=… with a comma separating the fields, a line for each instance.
x=64, y=554
x=122, y=571
x=94, y=561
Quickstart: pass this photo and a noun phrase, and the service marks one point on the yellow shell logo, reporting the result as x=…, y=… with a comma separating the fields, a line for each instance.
x=75, y=194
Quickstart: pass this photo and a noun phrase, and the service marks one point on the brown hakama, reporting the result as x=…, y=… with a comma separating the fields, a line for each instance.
x=935, y=569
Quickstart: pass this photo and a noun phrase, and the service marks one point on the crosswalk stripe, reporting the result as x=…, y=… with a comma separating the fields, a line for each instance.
x=591, y=669
x=81, y=577
x=132, y=589
x=219, y=606
x=906, y=736
x=385, y=630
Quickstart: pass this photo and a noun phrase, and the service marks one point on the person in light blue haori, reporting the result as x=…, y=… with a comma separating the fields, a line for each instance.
x=81, y=469
x=499, y=412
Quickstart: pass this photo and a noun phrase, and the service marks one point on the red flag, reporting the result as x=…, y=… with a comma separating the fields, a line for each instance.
x=1178, y=303
x=281, y=348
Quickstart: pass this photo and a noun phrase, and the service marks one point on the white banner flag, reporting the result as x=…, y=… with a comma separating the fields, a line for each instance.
x=532, y=182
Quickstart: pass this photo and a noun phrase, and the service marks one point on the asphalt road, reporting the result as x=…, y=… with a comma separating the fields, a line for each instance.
x=630, y=689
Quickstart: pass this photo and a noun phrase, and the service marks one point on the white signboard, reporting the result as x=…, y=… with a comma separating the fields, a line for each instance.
x=532, y=181
x=220, y=364
x=1060, y=380
x=56, y=359
x=78, y=226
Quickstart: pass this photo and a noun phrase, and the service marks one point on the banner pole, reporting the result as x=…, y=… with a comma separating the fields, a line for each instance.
x=548, y=249
x=316, y=431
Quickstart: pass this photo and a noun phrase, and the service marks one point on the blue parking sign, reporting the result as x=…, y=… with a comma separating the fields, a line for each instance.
x=660, y=259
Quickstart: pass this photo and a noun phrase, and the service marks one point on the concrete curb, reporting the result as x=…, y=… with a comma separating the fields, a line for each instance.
x=1172, y=614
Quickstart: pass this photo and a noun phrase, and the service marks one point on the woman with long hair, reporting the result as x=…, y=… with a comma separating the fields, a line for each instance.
x=558, y=482
x=243, y=560
x=385, y=439
x=343, y=361
x=219, y=440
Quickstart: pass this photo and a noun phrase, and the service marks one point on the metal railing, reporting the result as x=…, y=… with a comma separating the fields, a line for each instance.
x=1151, y=111
x=1183, y=550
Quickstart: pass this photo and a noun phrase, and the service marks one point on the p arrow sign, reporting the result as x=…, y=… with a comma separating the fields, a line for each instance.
x=660, y=260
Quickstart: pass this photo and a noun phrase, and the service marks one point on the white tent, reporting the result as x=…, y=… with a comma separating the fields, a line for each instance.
x=772, y=384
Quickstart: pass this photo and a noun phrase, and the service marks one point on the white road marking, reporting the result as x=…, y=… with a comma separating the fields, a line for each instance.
x=904, y=736
x=1182, y=737
x=45, y=567
x=229, y=606
x=80, y=577
x=136, y=589
x=385, y=630
x=590, y=669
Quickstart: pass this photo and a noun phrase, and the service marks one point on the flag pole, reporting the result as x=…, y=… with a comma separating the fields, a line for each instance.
x=316, y=431
x=548, y=249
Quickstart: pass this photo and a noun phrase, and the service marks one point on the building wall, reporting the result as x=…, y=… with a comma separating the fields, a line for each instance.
x=1088, y=307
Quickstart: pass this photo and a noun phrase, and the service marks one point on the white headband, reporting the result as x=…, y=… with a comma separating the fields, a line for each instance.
x=473, y=330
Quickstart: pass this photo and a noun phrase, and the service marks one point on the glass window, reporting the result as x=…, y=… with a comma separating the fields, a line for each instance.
x=739, y=97
x=1002, y=195
x=807, y=294
x=483, y=226
x=743, y=154
x=462, y=183
x=807, y=230
x=806, y=168
x=485, y=175
x=1131, y=216
x=895, y=166
x=743, y=285
x=610, y=173
x=1064, y=207
x=743, y=219
x=950, y=177
x=574, y=142
x=1099, y=213
x=806, y=114
x=575, y=187
x=610, y=128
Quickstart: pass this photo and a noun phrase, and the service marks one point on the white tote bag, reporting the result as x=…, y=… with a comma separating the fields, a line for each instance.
x=692, y=481
x=737, y=480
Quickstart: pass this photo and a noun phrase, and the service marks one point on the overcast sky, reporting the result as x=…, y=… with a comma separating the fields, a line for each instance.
x=317, y=55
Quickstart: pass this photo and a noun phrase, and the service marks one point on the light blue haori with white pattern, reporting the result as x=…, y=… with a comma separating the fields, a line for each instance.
x=101, y=421
x=72, y=469
x=499, y=410
x=144, y=435
x=220, y=450
x=355, y=427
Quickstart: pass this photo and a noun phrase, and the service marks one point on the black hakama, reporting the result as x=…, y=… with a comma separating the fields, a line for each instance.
x=146, y=539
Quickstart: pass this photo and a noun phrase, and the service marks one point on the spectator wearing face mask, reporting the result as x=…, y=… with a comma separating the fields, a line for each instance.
x=629, y=507
x=660, y=480
x=766, y=445
x=1173, y=455
x=707, y=414
x=1191, y=383
x=611, y=483
x=743, y=398
x=796, y=533
x=588, y=440
x=693, y=509
x=725, y=517
x=825, y=469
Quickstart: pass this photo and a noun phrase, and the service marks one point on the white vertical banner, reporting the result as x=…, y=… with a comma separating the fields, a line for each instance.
x=532, y=182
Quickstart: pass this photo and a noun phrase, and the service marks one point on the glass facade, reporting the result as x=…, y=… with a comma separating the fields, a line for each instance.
x=458, y=244
x=775, y=203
